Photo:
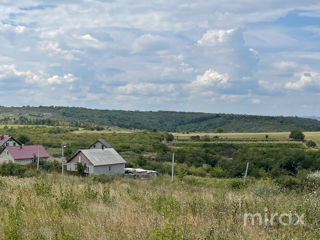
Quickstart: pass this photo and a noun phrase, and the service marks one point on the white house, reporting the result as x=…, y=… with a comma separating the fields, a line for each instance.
x=98, y=161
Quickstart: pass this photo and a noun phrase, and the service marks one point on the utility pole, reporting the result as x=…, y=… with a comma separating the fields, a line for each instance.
x=38, y=160
x=63, y=145
x=245, y=174
x=172, y=168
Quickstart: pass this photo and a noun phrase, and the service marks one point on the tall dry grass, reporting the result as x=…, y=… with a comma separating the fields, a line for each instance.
x=52, y=207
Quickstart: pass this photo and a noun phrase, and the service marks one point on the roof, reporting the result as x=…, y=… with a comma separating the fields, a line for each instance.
x=103, y=142
x=100, y=157
x=27, y=152
x=5, y=138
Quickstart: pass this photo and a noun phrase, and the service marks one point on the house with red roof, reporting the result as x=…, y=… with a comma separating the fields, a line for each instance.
x=24, y=154
x=7, y=140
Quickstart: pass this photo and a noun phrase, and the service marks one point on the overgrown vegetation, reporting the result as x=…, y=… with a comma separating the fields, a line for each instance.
x=52, y=207
x=92, y=119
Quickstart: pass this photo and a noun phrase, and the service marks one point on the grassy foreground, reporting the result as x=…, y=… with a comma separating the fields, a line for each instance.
x=52, y=207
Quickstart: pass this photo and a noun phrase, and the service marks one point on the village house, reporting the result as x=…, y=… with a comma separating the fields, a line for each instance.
x=24, y=154
x=100, y=144
x=7, y=140
x=101, y=158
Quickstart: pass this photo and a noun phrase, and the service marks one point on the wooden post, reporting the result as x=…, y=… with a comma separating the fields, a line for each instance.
x=245, y=174
x=172, y=168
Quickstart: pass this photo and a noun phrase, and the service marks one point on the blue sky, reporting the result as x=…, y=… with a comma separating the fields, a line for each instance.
x=249, y=56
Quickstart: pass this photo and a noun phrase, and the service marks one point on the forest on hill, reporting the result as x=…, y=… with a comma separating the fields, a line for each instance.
x=148, y=120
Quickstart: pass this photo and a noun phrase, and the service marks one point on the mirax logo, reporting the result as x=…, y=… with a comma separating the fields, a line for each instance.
x=269, y=219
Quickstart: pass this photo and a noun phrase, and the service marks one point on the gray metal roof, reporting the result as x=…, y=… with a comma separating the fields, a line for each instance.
x=99, y=157
x=103, y=142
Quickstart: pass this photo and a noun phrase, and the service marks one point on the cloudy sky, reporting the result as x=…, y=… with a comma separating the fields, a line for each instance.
x=245, y=56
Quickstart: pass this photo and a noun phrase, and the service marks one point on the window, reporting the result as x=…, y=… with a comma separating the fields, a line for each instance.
x=14, y=144
x=7, y=144
x=109, y=168
x=79, y=159
x=102, y=147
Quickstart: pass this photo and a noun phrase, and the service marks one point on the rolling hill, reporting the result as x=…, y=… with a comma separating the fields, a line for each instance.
x=160, y=120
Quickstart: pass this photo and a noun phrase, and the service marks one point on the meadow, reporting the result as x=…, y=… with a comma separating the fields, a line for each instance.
x=69, y=207
x=207, y=200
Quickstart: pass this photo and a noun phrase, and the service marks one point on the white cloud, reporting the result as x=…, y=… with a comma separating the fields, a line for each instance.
x=90, y=41
x=149, y=43
x=286, y=65
x=307, y=79
x=213, y=37
x=210, y=79
x=146, y=89
x=54, y=50
x=255, y=100
x=232, y=97
x=68, y=78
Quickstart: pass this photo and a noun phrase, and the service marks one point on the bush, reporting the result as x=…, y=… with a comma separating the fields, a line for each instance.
x=219, y=130
x=12, y=169
x=235, y=183
x=311, y=144
x=217, y=172
x=266, y=189
x=288, y=182
x=297, y=135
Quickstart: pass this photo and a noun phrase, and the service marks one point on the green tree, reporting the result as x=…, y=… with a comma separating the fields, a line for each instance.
x=169, y=137
x=81, y=168
x=297, y=135
x=311, y=144
x=219, y=130
x=23, y=139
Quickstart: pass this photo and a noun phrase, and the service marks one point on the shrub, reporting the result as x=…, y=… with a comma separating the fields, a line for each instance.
x=42, y=188
x=311, y=144
x=217, y=172
x=195, y=138
x=81, y=168
x=219, y=130
x=235, y=184
x=297, y=135
x=288, y=182
x=264, y=189
x=12, y=169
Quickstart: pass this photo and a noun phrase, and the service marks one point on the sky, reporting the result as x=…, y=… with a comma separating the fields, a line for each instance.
x=221, y=56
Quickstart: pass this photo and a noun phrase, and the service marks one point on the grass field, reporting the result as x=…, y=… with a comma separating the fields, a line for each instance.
x=51, y=207
x=275, y=136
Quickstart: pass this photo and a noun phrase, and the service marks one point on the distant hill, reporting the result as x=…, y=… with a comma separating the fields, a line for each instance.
x=160, y=120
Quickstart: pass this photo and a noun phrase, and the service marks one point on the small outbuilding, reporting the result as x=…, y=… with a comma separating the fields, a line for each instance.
x=104, y=160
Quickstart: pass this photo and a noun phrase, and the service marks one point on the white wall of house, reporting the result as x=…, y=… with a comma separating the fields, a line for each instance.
x=11, y=143
x=6, y=155
x=109, y=169
x=73, y=167
x=98, y=170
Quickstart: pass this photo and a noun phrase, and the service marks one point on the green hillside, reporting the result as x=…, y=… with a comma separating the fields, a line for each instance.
x=161, y=120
